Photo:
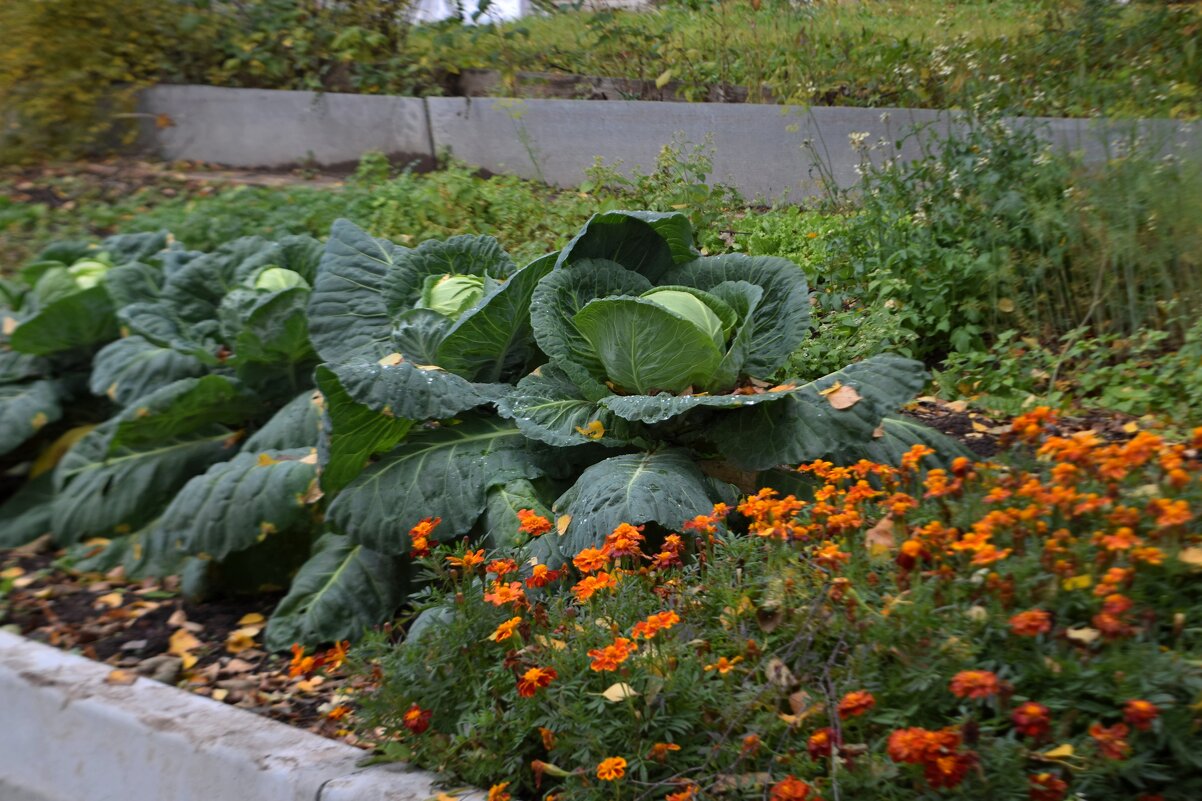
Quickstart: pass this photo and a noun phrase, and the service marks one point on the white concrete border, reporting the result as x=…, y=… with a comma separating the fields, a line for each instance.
x=69, y=736
x=765, y=151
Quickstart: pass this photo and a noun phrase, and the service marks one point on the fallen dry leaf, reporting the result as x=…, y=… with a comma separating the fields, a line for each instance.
x=252, y=619
x=562, y=523
x=841, y=397
x=120, y=677
x=880, y=539
x=619, y=692
x=242, y=639
x=112, y=600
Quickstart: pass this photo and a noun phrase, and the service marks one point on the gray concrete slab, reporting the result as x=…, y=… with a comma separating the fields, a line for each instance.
x=269, y=128
x=70, y=736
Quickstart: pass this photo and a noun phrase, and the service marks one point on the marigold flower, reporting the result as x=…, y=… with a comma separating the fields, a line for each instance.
x=665, y=560
x=590, y=585
x=821, y=743
x=334, y=657
x=1140, y=714
x=792, y=788
x=975, y=684
x=751, y=744
x=613, y=655
x=686, y=793
x=1046, y=787
x=1031, y=719
x=468, y=560
x=532, y=523
x=535, y=679
x=505, y=630
x=590, y=560
x=416, y=719
x=1111, y=740
x=674, y=544
x=611, y=769
x=541, y=576
x=302, y=665
x=501, y=567
x=548, y=737
x=421, y=547
x=659, y=752
x=654, y=624
x=497, y=792
x=502, y=593
x=1031, y=623
x=855, y=704
x=419, y=536
x=624, y=541
x=724, y=665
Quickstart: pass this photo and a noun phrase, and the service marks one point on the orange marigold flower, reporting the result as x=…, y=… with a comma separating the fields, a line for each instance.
x=1140, y=714
x=751, y=744
x=302, y=665
x=654, y=624
x=548, y=737
x=659, y=752
x=497, y=792
x=420, y=535
x=1031, y=623
x=611, y=769
x=334, y=657
x=674, y=544
x=1111, y=740
x=338, y=712
x=590, y=585
x=503, y=593
x=611, y=656
x=1046, y=787
x=541, y=576
x=1170, y=513
x=421, y=547
x=792, y=788
x=702, y=524
x=505, y=630
x=665, y=560
x=624, y=541
x=975, y=684
x=916, y=454
x=468, y=560
x=416, y=719
x=535, y=679
x=724, y=665
x=501, y=567
x=532, y=523
x=855, y=704
x=686, y=793
x=1031, y=719
x=590, y=560
x=821, y=743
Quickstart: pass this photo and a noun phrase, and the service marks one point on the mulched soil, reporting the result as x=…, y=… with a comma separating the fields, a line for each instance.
x=144, y=628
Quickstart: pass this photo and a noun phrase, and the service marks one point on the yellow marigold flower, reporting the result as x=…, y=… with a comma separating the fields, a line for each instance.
x=468, y=560
x=724, y=665
x=611, y=769
x=497, y=792
x=506, y=629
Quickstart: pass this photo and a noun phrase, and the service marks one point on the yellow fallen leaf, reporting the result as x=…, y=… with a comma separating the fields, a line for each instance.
x=1191, y=556
x=252, y=619
x=391, y=360
x=1005, y=305
x=40, y=419
x=1131, y=428
x=182, y=642
x=311, y=457
x=220, y=694
x=8, y=326
x=619, y=692
x=120, y=677
x=1083, y=634
x=1060, y=752
x=241, y=639
x=843, y=398
x=783, y=387
x=112, y=600
x=1077, y=582
x=835, y=387
x=594, y=430
x=880, y=539
x=663, y=79
x=547, y=642
x=562, y=523
x=12, y=573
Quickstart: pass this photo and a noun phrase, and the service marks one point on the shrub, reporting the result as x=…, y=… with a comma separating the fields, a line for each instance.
x=989, y=630
x=70, y=70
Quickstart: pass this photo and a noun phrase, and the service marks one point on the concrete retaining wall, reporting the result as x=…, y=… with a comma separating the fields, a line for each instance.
x=763, y=151
x=69, y=736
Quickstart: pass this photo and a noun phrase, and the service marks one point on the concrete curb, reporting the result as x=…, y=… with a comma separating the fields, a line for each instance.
x=766, y=151
x=68, y=735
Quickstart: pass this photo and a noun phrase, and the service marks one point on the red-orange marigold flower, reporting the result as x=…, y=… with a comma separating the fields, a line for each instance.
x=821, y=743
x=611, y=769
x=416, y=719
x=532, y=523
x=624, y=541
x=659, y=752
x=855, y=704
x=590, y=585
x=792, y=788
x=501, y=567
x=1140, y=713
x=505, y=630
x=502, y=593
x=654, y=624
x=1031, y=623
x=541, y=576
x=1046, y=787
x=1031, y=719
x=535, y=679
x=611, y=656
x=975, y=684
x=1111, y=740
x=497, y=792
